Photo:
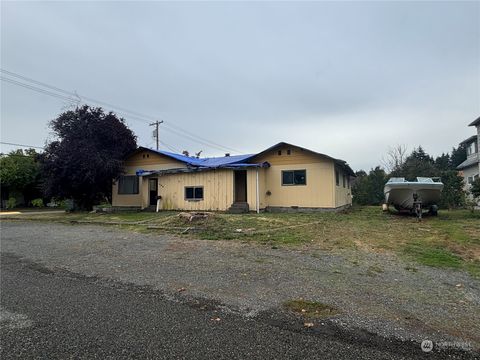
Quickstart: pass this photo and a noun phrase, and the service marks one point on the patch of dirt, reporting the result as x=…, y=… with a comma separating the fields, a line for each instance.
x=311, y=308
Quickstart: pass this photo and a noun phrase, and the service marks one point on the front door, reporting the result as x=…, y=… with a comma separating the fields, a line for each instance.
x=153, y=190
x=240, y=186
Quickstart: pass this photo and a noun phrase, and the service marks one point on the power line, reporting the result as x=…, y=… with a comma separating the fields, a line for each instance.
x=37, y=89
x=170, y=147
x=22, y=145
x=215, y=145
x=134, y=115
x=124, y=110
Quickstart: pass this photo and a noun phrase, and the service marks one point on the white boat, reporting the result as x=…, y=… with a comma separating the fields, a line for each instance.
x=413, y=195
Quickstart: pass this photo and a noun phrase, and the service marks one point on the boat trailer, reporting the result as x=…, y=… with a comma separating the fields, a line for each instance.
x=417, y=208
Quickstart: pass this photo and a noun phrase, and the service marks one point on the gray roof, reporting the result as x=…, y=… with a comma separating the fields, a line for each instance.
x=471, y=139
x=471, y=161
x=475, y=122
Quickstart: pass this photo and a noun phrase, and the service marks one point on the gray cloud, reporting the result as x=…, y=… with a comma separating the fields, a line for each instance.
x=347, y=79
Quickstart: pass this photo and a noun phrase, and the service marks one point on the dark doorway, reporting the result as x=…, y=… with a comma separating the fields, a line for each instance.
x=240, y=185
x=153, y=190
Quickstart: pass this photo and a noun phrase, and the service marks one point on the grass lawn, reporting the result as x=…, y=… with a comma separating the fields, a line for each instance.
x=450, y=240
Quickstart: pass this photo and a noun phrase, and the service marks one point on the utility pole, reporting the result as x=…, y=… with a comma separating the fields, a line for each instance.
x=156, y=124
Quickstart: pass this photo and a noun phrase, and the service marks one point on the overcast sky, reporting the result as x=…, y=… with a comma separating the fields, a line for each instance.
x=345, y=79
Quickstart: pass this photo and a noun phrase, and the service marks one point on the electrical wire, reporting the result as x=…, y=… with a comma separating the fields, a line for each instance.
x=170, y=147
x=21, y=145
x=133, y=114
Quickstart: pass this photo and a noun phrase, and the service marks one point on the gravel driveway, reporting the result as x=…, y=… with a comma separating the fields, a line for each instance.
x=377, y=293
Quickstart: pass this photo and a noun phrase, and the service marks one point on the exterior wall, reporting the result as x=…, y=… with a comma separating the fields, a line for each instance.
x=319, y=190
x=217, y=190
x=466, y=173
x=478, y=145
x=470, y=171
x=252, y=188
x=136, y=162
x=343, y=195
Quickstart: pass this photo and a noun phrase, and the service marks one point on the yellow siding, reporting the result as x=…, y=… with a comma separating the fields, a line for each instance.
x=343, y=195
x=252, y=190
x=318, y=192
x=141, y=161
x=217, y=190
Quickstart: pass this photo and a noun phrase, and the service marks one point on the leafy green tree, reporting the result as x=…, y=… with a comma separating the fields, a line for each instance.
x=19, y=174
x=86, y=156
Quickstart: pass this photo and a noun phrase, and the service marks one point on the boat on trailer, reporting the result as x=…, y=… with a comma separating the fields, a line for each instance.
x=414, y=196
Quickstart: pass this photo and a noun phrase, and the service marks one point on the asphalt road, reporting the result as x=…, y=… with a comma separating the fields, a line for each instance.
x=56, y=314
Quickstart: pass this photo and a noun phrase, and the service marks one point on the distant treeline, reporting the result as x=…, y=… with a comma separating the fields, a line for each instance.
x=367, y=189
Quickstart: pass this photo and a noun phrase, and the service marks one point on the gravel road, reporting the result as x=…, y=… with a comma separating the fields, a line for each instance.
x=57, y=315
x=375, y=293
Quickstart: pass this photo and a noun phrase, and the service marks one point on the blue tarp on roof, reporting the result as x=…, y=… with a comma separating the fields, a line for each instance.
x=222, y=161
x=239, y=160
x=213, y=162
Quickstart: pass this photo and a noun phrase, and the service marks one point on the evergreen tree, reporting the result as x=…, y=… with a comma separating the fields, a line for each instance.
x=453, y=194
x=368, y=189
x=458, y=156
x=443, y=163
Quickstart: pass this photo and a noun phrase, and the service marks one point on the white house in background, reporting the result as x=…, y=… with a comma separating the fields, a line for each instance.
x=470, y=168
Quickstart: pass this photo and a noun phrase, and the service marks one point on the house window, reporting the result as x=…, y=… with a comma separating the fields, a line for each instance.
x=294, y=177
x=337, y=178
x=470, y=180
x=193, y=193
x=344, y=180
x=128, y=185
x=472, y=148
x=289, y=152
x=279, y=152
x=348, y=182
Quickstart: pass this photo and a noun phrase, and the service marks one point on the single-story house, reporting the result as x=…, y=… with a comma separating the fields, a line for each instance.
x=282, y=177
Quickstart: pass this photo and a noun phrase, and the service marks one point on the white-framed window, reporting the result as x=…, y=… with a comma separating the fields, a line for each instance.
x=472, y=148
x=193, y=193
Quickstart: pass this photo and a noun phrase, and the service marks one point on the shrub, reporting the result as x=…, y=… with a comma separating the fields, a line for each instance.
x=11, y=203
x=37, y=203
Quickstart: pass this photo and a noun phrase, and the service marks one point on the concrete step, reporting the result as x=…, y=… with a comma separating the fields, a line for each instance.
x=239, y=208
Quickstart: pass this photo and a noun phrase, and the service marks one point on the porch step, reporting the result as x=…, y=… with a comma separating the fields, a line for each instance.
x=150, y=208
x=239, y=208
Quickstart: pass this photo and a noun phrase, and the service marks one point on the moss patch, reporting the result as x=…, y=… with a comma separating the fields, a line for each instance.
x=310, y=309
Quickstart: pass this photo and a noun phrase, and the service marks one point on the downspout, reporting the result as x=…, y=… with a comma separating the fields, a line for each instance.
x=257, y=194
